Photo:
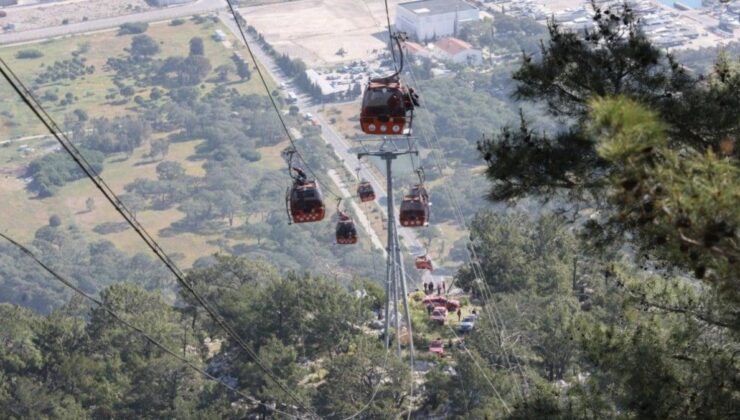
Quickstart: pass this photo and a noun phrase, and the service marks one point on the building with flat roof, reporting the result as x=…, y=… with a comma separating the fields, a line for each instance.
x=163, y=3
x=427, y=19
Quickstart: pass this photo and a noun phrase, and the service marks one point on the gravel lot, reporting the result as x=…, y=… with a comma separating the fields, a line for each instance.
x=314, y=30
x=54, y=14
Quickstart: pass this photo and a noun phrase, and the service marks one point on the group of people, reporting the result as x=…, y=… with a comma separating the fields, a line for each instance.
x=429, y=288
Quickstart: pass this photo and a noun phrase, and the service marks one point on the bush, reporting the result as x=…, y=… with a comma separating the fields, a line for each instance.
x=28, y=54
x=127, y=91
x=177, y=22
x=52, y=171
x=55, y=221
x=133, y=28
x=143, y=45
x=50, y=96
x=251, y=155
x=111, y=227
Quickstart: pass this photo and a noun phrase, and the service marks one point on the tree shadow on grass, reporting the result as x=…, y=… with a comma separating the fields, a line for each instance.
x=211, y=227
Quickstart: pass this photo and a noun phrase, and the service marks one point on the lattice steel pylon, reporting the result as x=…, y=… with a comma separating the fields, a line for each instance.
x=395, y=283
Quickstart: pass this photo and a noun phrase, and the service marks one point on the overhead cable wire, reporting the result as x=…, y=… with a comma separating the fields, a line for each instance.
x=390, y=35
x=237, y=19
x=480, y=368
x=30, y=100
x=129, y=325
x=376, y=389
x=457, y=210
x=471, y=253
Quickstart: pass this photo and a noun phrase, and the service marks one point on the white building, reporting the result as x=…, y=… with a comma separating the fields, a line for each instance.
x=427, y=19
x=163, y=3
x=457, y=51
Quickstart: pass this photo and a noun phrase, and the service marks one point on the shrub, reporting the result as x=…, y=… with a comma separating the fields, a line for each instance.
x=133, y=28
x=28, y=54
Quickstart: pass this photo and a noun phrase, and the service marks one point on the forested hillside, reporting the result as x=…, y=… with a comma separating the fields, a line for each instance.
x=599, y=274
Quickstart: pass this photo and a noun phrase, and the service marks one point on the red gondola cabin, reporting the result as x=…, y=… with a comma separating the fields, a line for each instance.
x=366, y=192
x=346, y=231
x=305, y=202
x=415, y=208
x=386, y=107
x=423, y=263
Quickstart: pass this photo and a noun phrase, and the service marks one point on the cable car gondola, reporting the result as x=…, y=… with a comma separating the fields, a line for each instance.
x=304, y=200
x=415, y=206
x=346, y=232
x=387, y=105
x=365, y=191
x=423, y=262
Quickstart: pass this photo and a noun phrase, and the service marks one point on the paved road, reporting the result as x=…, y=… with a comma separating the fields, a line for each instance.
x=340, y=145
x=20, y=139
x=199, y=6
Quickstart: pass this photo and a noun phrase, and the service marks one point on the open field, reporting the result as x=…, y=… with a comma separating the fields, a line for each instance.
x=314, y=30
x=90, y=90
x=23, y=214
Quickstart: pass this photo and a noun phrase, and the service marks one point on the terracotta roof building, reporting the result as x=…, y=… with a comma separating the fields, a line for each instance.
x=457, y=51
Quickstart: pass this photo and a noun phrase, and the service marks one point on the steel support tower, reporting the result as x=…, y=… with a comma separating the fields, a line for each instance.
x=395, y=283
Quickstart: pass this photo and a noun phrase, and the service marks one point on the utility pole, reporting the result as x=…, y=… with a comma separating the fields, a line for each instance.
x=395, y=283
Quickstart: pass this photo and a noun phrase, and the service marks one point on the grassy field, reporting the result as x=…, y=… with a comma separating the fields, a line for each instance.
x=23, y=214
x=90, y=90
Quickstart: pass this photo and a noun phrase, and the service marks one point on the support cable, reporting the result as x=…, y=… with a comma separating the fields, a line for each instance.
x=33, y=104
x=470, y=251
x=376, y=389
x=237, y=19
x=480, y=368
x=138, y=330
x=456, y=209
x=390, y=35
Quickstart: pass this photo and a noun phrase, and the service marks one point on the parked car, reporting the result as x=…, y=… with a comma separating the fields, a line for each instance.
x=438, y=300
x=439, y=315
x=467, y=323
x=437, y=347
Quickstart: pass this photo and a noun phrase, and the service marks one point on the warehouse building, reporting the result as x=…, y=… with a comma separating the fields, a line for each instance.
x=428, y=19
x=164, y=3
